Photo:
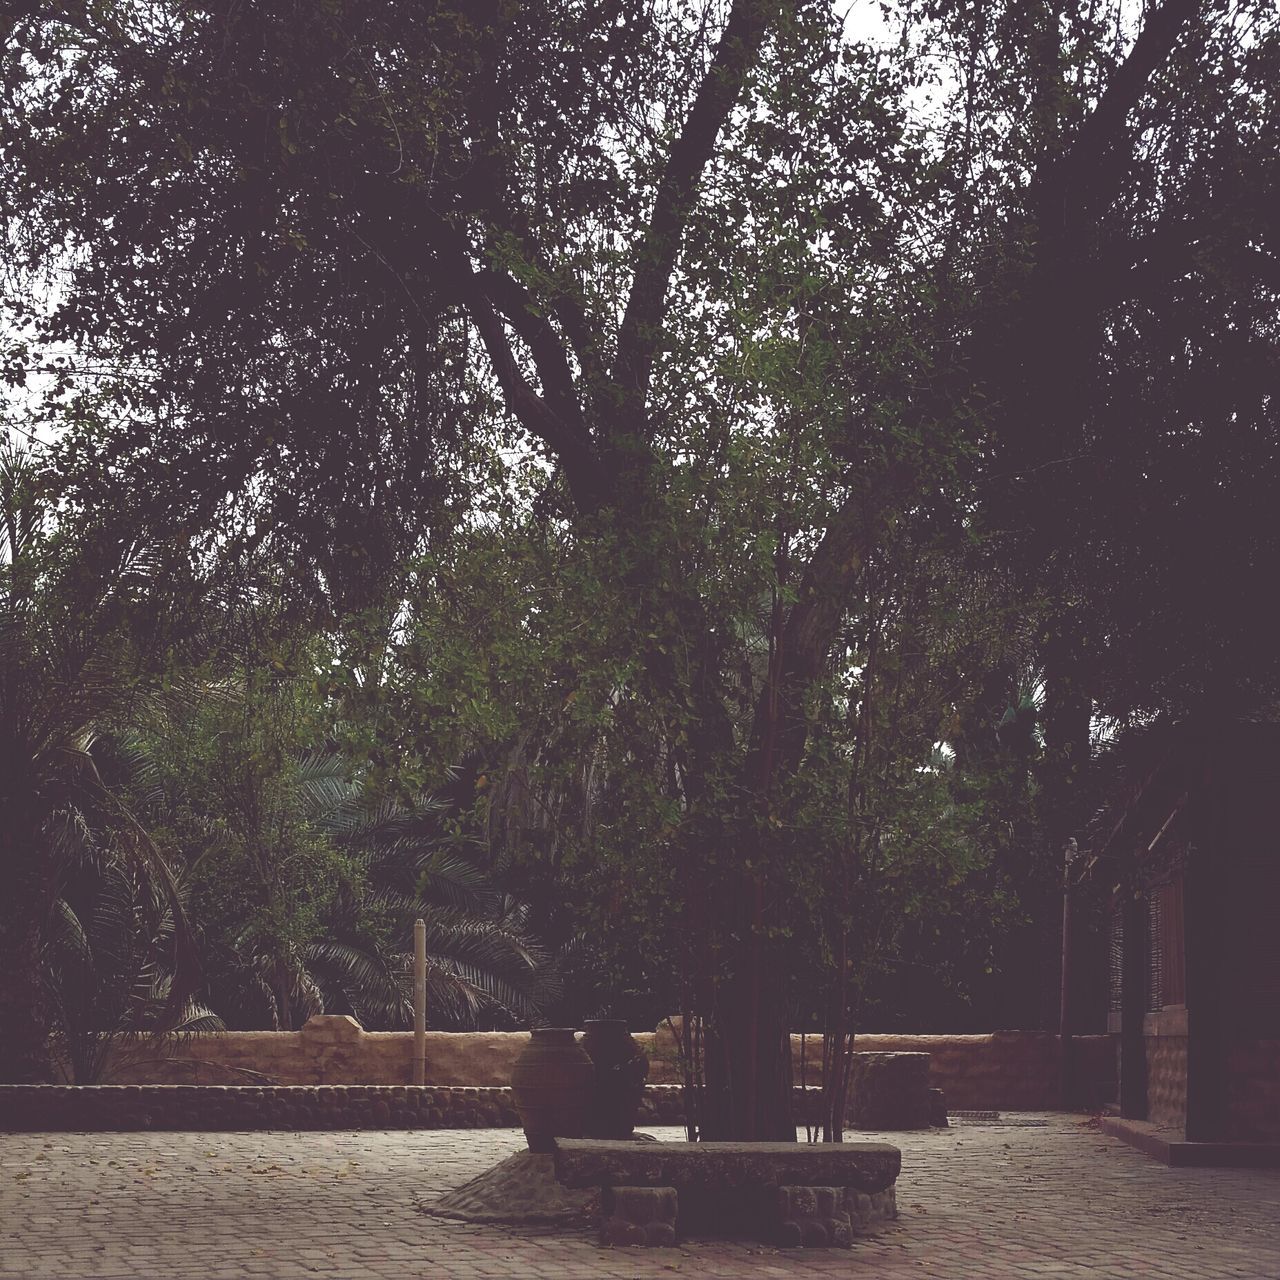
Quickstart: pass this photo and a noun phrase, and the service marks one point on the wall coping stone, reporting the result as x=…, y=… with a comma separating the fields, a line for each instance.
x=332, y=1028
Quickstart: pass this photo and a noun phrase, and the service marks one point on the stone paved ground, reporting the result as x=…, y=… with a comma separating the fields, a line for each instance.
x=1054, y=1200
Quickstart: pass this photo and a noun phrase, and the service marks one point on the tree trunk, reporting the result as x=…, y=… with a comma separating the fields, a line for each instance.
x=1068, y=709
x=24, y=1004
x=744, y=974
x=747, y=1033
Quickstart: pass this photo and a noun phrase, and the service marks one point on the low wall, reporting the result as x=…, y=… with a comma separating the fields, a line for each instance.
x=1001, y=1071
x=44, y=1108
x=1007, y=1070
x=239, y=1108
x=329, y=1050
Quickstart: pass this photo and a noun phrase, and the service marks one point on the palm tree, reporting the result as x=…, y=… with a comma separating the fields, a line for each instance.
x=109, y=964
x=396, y=862
x=481, y=959
x=68, y=663
x=305, y=889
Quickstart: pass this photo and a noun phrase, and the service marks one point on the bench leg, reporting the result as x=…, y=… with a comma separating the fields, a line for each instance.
x=812, y=1216
x=639, y=1215
x=867, y=1211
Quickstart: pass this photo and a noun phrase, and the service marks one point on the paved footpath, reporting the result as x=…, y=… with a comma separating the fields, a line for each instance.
x=1053, y=1199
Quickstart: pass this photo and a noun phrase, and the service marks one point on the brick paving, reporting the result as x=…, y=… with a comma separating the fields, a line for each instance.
x=1055, y=1199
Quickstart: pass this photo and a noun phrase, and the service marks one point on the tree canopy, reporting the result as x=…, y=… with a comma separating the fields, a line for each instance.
x=689, y=416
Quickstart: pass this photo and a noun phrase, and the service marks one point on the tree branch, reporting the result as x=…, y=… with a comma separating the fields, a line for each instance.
x=735, y=54
x=568, y=441
x=516, y=304
x=554, y=418
x=1084, y=180
x=779, y=728
x=1132, y=269
x=557, y=417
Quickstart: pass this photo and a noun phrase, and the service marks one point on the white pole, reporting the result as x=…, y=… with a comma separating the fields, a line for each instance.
x=420, y=1002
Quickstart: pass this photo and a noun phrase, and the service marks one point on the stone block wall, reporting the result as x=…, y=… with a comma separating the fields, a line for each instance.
x=889, y=1091
x=232, y=1108
x=1253, y=1091
x=1002, y=1071
x=999, y=1071
x=330, y=1049
x=247, y=1108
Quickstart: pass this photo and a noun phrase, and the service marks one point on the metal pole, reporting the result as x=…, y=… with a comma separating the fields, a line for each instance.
x=1066, y=1080
x=420, y=1002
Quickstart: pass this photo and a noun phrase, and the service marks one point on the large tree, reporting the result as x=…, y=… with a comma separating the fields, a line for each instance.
x=682, y=249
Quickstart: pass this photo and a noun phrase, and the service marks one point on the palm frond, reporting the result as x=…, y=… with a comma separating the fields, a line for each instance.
x=323, y=785
x=67, y=936
x=196, y=1019
x=376, y=986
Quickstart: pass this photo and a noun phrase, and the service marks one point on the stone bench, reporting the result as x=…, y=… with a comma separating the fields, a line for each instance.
x=792, y=1193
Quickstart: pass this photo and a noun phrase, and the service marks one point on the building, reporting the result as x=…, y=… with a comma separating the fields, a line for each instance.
x=1191, y=855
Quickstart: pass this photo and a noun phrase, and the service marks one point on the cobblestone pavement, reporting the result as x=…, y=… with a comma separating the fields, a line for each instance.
x=1055, y=1199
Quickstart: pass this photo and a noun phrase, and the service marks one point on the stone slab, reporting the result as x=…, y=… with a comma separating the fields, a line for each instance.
x=713, y=1166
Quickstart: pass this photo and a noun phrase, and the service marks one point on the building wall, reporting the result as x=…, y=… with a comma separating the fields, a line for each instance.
x=1252, y=1110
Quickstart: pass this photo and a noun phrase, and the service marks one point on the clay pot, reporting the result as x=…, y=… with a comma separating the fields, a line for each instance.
x=621, y=1068
x=552, y=1084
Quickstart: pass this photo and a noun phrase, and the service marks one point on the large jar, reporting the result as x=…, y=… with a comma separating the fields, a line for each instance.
x=552, y=1083
x=621, y=1068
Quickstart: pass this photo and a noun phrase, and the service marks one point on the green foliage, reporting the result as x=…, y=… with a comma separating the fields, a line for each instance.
x=666, y=431
x=109, y=958
x=306, y=884
x=83, y=637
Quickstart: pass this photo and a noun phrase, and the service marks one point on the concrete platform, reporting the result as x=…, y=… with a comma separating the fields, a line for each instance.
x=1170, y=1146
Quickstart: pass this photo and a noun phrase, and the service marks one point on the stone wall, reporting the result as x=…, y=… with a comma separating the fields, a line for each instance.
x=238, y=1108
x=331, y=1049
x=241, y=1108
x=1253, y=1091
x=1008, y=1070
